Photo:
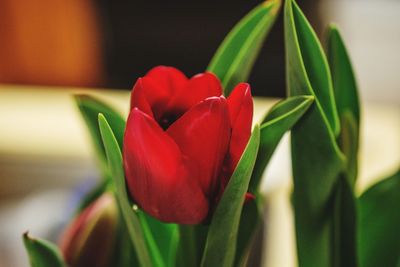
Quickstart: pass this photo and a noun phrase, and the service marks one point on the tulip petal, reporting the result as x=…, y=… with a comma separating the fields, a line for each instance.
x=148, y=96
x=240, y=105
x=198, y=88
x=138, y=98
x=159, y=179
x=168, y=77
x=152, y=93
x=70, y=239
x=203, y=135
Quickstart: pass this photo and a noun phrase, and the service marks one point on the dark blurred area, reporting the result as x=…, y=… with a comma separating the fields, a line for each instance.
x=111, y=43
x=185, y=34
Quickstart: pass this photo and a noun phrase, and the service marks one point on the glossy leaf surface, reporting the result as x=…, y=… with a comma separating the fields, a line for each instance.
x=378, y=224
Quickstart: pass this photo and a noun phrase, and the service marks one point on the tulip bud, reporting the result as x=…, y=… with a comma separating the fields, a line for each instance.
x=89, y=239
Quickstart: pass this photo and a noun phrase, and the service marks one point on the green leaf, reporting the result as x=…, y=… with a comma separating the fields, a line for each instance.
x=222, y=236
x=348, y=142
x=187, y=253
x=42, y=253
x=307, y=65
x=236, y=55
x=344, y=225
x=378, y=224
x=316, y=159
x=192, y=239
x=250, y=221
x=90, y=108
x=257, y=246
x=344, y=82
x=347, y=100
x=114, y=157
x=279, y=119
x=124, y=252
x=162, y=239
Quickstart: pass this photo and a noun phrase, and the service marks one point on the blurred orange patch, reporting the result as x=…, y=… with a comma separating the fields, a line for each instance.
x=50, y=42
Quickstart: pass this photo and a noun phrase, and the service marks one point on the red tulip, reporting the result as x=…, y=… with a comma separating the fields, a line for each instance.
x=89, y=239
x=182, y=142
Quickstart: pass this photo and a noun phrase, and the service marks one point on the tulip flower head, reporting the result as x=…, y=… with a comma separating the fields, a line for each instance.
x=182, y=142
x=89, y=239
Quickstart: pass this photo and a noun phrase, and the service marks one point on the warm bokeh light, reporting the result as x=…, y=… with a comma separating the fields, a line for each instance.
x=50, y=43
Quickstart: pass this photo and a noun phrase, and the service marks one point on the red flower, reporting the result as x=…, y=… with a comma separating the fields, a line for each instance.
x=89, y=239
x=182, y=142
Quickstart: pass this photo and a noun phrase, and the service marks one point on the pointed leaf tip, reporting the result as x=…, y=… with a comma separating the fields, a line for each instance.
x=281, y=118
x=42, y=253
x=276, y=4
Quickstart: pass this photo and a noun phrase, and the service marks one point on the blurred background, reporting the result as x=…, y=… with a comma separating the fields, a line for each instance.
x=110, y=43
x=51, y=49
